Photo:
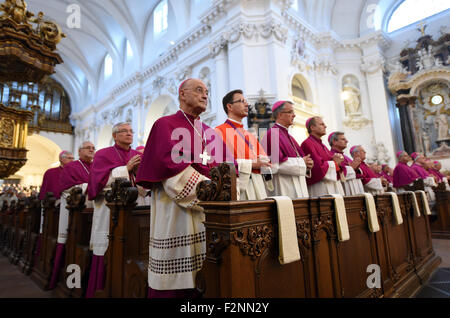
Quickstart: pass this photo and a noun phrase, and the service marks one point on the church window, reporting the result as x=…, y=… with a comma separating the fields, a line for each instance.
x=160, y=16
x=297, y=89
x=411, y=11
x=295, y=5
x=129, y=51
x=108, y=66
x=436, y=99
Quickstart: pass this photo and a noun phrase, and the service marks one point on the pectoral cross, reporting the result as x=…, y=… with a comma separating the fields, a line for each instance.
x=205, y=157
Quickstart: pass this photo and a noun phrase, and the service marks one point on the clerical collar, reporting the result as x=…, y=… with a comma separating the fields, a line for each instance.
x=120, y=148
x=287, y=128
x=316, y=138
x=235, y=121
x=334, y=149
x=189, y=116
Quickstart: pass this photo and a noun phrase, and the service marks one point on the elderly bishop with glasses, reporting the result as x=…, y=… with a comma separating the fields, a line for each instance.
x=179, y=153
x=109, y=164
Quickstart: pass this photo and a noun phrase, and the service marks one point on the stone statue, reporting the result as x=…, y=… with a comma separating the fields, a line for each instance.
x=441, y=124
x=352, y=101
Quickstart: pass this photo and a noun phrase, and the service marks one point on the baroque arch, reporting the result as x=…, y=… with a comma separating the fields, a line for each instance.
x=162, y=106
x=42, y=154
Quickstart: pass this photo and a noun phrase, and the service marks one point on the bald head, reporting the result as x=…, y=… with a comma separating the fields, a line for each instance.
x=193, y=96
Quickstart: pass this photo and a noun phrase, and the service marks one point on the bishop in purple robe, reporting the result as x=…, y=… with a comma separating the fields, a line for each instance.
x=403, y=174
x=352, y=185
x=372, y=183
x=118, y=161
x=289, y=163
x=324, y=179
x=75, y=173
x=179, y=153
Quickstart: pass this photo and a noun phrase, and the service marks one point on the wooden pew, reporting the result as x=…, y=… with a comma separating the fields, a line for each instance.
x=32, y=223
x=242, y=248
x=9, y=228
x=42, y=271
x=3, y=218
x=77, y=245
x=18, y=232
x=440, y=226
x=126, y=259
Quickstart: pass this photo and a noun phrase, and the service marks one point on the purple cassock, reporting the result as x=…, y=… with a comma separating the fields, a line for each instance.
x=403, y=175
x=74, y=173
x=388, y=177
x=423, y=174
x=50, y=182
x=320, y=154
x=105, y=160
x=286, y=145
x=438, y=174
x=346, y=162
x=157, y=163
x=163, y=146
x=365, y=173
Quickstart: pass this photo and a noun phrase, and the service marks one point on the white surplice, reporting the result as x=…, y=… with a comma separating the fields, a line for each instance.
x=177, y=245
x=374, y=186
x=250, y=185
x=100, y=220
x=289, y=178
x=351, y=184
x=328, y=185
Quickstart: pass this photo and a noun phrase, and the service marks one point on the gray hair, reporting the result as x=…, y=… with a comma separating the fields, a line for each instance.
x=355, y=149
x=280, y=109
x=82, y=144
x=335, y=136
x=116, y=126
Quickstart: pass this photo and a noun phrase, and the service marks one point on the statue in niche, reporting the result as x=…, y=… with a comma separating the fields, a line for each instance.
x=352, y=95
x=441, y=124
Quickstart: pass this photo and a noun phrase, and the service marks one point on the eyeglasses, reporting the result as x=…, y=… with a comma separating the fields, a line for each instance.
x=88, y=148
x=199, y=90
x=125, y=131
x=244, y=101
x=291, y=112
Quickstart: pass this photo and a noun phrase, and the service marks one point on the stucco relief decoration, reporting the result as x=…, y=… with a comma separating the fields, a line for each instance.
x=423, y=73
x=380, y=154
x=432, y=114
x=172, y=87
x=351, y=96
x=158, y=83
x=249, y=31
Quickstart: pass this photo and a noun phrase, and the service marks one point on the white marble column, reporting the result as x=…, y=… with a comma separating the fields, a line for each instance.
x=221, y=84
x=382, y=130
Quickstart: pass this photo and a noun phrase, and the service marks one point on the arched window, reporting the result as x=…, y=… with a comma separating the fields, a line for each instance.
x=160, y=15
x=108, y=66
x=410, y=11
x=129, y=51
x=297, y=88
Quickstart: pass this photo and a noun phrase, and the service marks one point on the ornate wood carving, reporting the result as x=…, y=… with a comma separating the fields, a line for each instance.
x=221, y=187
x=253, y=241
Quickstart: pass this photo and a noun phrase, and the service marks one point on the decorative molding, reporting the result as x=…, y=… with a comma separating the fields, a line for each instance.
x=356, y=122
x=249, y=31
x=217, y=10
x=372, y=64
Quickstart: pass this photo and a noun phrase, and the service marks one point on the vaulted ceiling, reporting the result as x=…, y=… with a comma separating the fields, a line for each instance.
x=106, y=25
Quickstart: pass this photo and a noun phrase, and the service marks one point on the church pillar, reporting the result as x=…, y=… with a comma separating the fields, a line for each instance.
x=221, y=83
x=404, y=105
x=372, y=66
